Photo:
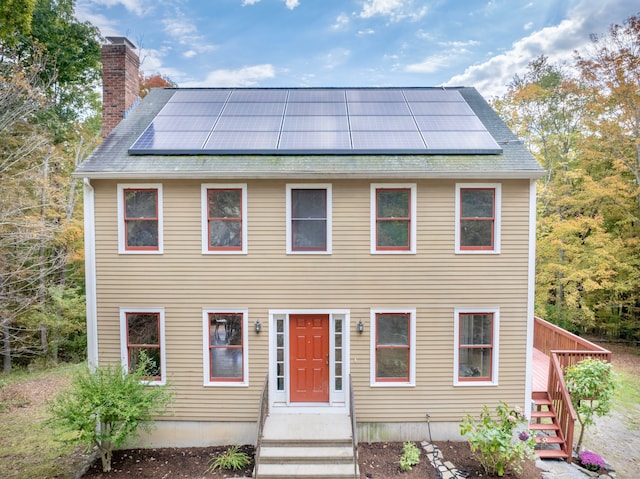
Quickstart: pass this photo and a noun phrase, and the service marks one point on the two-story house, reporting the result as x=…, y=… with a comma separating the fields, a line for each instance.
x=336, y=246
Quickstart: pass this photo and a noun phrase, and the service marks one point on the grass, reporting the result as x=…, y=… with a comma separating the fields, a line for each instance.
x=627, y=397
x=28, y=448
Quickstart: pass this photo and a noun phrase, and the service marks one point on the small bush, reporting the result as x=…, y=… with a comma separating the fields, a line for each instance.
x=496, y=443
x=232, y=460
x=410, y=456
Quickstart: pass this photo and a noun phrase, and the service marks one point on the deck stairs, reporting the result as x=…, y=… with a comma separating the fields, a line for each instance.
x=306, y=446
x=550, y=443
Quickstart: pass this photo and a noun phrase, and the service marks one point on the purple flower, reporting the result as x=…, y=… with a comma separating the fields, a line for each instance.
x=523, y=436
x=591, y=459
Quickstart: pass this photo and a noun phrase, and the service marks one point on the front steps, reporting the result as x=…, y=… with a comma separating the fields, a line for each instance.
x=306, y=446
x=546, y=430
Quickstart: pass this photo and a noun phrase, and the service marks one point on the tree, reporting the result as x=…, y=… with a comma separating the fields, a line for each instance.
x=71, y=63
x=591, y=385
x=104, y=408
x=15, y=19
x=154, y=81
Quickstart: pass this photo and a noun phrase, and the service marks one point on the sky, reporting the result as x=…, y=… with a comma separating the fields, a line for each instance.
x=352, y=43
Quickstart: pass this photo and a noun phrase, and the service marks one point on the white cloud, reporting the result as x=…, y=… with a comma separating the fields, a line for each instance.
x=291, y=4
x=458, y=44
x=396, y=10
x=528, y=26
x=135, y=6
x=342, y=22
x=556, y=42
x=367, y=31
x=430, y=64
x=335, y=58
x=189, y=54
x=243, y=77
x=179, y=27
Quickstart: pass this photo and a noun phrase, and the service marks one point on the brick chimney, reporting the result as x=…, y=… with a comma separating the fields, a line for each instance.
x=119, y=81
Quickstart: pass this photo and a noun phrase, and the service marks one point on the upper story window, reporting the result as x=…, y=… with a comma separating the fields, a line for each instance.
x=309, y=218
x=225, y=334
x=476, y=353
x=478, y=218
x=393, y=221
x=224, y=221
x=142, y=342
x=140, y=218
x=393, y=355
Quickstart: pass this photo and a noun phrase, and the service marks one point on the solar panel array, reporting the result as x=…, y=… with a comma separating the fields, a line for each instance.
x=316, y=121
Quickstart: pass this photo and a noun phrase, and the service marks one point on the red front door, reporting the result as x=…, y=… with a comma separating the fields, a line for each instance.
x=309, y=357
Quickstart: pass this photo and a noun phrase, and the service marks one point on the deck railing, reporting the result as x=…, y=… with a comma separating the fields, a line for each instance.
x=564, y=349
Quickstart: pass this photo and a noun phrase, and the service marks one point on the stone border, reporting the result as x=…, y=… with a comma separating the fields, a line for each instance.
x=445, y=469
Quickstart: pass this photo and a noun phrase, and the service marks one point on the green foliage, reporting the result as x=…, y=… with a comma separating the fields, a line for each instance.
x=106, y=407
x=15, y=19
x=591, y=385
x=410, y=456
x=496, y=443
x=232, y=460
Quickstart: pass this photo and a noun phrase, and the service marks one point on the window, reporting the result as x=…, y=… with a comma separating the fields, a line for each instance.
x=142, y=342
x=476, y=351
x=393, y=224
x=393, y=347
x=478, y=218
x=308, y=218
x=140, y=218
x=225, y=333
x=224, y=224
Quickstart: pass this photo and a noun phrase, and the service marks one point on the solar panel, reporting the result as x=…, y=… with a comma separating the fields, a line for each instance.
x=388, y=140
x=382, y=123
x=315, y=123
x=184, y=109
x=316, y=108
x=316, y=120
x=249, y=123
x=177, y=123
x=379, y=108
x=314, y=140
x=197, y=96
x=449, y=123
x=317, y=95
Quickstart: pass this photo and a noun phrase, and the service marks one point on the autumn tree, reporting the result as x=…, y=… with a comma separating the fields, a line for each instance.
x=154, y=81
x=610, y=68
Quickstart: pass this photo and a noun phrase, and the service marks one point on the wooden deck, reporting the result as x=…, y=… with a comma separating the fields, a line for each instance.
x=540, y=370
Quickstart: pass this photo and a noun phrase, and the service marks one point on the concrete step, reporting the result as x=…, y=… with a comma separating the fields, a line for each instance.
x=306, y=455
x=312, y=471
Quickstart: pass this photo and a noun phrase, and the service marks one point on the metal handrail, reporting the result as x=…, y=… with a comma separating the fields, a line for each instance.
x=263, y=409
x=354, y=433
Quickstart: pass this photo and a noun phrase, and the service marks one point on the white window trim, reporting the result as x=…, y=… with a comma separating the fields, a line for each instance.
x=412, y=347
x=122, y=246
x=124, y=353
x=373, y=216
x=206, y=367
x=309, y=186
x=496, y=347
x=205, y=223
x=497, y=224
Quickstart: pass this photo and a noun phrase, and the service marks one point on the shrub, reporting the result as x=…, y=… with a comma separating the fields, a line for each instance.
x=106, y=407
x=410, y=456
x=496, y=443
x=591, y=384
x=232, y=460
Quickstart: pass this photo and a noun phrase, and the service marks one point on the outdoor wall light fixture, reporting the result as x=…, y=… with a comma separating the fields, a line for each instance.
x=258, y=326
x=360, y=326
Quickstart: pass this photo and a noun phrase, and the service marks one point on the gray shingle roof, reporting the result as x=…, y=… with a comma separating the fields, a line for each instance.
x=112, y=158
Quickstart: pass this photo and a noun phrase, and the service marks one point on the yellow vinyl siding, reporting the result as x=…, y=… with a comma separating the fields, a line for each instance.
x=434, y=281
